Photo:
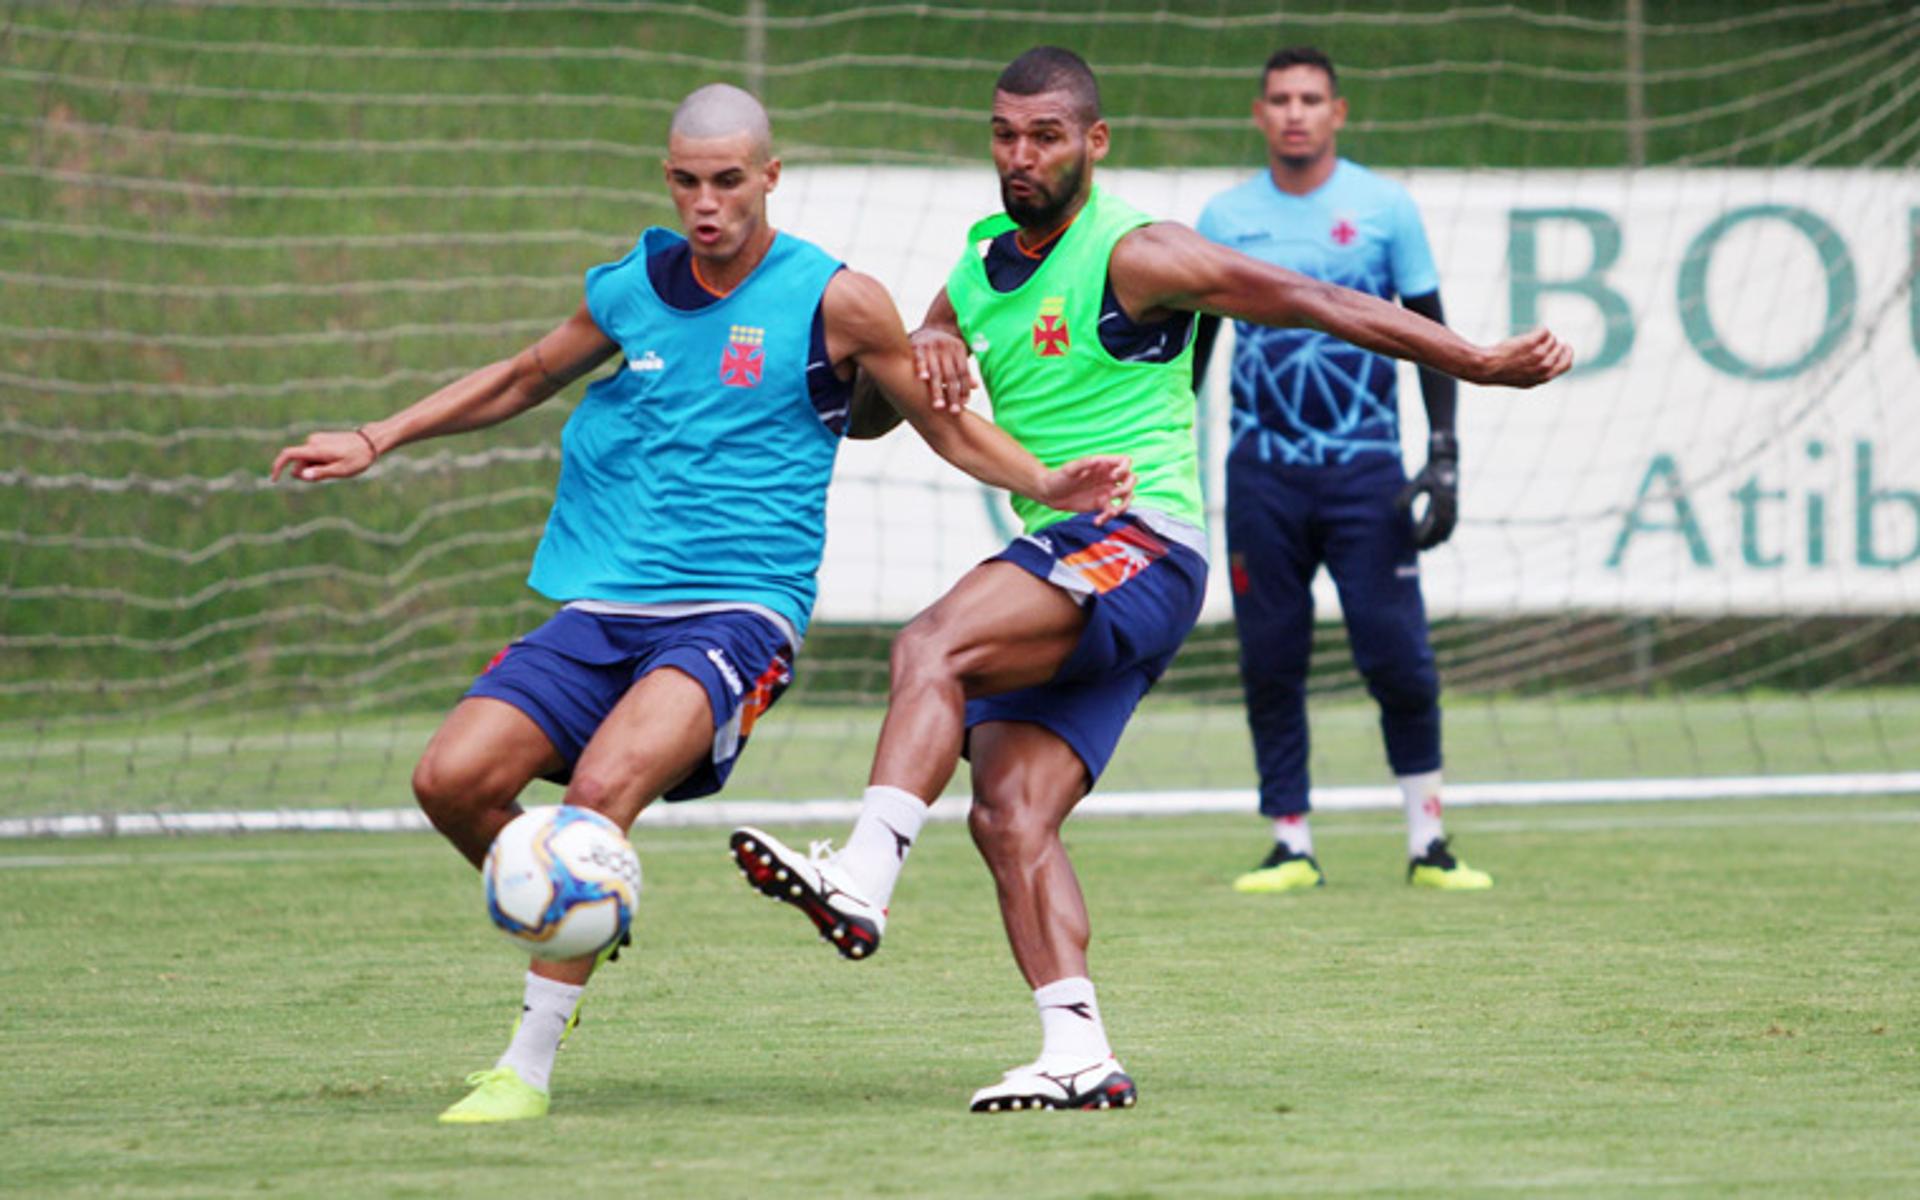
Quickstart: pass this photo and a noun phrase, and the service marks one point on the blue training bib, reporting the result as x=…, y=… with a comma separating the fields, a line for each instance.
x=698, y=471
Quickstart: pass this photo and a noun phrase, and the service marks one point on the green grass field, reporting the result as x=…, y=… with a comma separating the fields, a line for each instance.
x=223, y=225
x=1684, y=1000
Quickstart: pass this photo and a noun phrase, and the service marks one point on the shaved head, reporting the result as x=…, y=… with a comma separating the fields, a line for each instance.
x=721, y=110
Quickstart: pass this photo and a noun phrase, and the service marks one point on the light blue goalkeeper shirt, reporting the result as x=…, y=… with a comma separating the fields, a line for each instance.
x=1303, y=396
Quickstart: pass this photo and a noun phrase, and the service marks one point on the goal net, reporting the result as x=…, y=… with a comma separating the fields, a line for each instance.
x=1691, y=568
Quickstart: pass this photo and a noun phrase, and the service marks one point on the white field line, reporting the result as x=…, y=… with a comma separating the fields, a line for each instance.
x=1640, y=819
x=728, y=813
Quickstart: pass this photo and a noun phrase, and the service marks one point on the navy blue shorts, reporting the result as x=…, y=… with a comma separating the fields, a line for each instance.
x=1284, y=522
x=1142, y=593
x=569, y=673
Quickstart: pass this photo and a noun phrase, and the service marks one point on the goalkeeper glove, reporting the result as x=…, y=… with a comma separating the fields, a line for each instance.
x=1439, y=482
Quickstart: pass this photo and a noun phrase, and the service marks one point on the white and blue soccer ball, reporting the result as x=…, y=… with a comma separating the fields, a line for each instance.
x=562, y=882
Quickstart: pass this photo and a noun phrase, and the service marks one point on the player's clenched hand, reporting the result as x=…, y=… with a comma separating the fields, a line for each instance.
x=334, y=454
x=1525, y=361
x=1100, y=483
x=941, y=360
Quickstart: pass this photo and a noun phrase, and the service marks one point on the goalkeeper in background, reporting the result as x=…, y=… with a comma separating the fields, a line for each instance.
x=1314, y=474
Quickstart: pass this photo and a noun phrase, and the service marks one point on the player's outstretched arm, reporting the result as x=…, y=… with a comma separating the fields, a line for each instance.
x=940, y=356
x=1167, y=267
x=488, y=396
x=862, y=324
x=869, y=413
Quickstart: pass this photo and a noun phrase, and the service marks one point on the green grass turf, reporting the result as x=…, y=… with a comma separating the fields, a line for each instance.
x=811, y=751
x=1683, y=1000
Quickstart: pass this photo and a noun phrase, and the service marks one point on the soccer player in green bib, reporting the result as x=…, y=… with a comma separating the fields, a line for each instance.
x=1080, y=312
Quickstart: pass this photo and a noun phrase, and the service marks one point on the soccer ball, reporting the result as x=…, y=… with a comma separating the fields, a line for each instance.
x=561, y=882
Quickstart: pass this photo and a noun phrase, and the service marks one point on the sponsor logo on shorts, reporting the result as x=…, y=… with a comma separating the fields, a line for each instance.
x=1116, y=558
x=1407, y=571
x=727, y=672
x=766, y=690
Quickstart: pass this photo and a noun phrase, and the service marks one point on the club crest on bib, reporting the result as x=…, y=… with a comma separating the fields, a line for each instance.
x=1050, y=328
x=743, y=360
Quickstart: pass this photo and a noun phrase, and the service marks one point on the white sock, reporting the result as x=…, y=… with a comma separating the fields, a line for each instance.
x=1070, y=1023
x=1420, y=794
x=544, y=1014
x=1294, y=833
x=889, y=821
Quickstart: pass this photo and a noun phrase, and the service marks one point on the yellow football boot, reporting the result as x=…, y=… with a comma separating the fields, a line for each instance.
x=1282, y=871
x=498, y=1095
x=1439, y=869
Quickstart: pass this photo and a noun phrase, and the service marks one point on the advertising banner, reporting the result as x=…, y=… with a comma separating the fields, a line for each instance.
x=1741, y=433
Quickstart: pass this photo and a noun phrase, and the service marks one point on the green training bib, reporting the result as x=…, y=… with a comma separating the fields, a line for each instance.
x=1055, y=388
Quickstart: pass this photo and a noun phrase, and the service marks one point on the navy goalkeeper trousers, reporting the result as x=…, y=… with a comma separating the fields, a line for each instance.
x=1283, y=523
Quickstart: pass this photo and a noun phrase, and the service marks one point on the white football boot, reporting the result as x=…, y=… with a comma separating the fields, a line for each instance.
x=814, y=884
x=1102, y=1084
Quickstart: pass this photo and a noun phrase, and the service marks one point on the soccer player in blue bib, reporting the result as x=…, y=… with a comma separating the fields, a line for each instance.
x=688, y=523
x=1314, y=474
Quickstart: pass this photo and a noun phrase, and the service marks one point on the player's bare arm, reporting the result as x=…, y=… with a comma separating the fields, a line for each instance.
x=1164, y=268
x=863, y=326
x=869, y=413
x=488, y=396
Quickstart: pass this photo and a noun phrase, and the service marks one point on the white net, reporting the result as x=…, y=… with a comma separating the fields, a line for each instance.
x=226, y=224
